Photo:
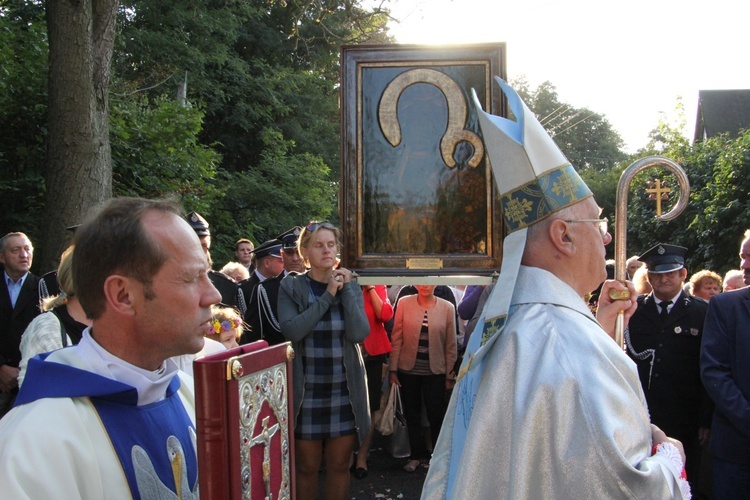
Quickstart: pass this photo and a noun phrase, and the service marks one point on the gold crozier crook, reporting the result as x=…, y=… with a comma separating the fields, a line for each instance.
x=457, y=113
x=621, y=216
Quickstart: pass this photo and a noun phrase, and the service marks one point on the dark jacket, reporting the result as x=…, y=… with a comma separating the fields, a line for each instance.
x=226, y=287
x=13, y=321
x=676, y=398
x=725, y=370
x=262, y=316
x=247, y=290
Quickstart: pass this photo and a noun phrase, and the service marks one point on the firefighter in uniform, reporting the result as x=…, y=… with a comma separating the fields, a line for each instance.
x=664, y=339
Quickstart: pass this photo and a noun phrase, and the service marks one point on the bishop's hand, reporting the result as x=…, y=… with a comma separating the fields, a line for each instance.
x=609, y=307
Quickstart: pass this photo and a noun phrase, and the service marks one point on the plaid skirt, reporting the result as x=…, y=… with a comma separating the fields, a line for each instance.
x=326, y=410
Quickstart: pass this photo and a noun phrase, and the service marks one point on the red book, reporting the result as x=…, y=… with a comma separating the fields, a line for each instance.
x=244, y=426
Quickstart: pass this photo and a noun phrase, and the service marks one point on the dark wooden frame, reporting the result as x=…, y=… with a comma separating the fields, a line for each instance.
x=383, y=61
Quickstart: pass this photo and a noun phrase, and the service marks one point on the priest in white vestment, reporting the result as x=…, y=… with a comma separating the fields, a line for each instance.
x=113, y=417
x=547, y=405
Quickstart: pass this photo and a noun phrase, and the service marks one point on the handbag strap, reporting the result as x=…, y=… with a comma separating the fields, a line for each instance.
x=398, y=405
x=63, y=333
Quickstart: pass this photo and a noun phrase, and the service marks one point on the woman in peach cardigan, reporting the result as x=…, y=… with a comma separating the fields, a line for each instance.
x=424, y=351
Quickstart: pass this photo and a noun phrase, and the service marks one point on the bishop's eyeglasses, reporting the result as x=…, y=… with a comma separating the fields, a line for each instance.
x=602, y=224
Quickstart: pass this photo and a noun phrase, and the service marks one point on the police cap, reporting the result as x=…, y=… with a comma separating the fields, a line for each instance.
x=289, y=238
x=664, y=258
x=198, y=223
x=270, y=247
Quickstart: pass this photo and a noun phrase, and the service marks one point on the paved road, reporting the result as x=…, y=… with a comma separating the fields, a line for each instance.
x=386, y=479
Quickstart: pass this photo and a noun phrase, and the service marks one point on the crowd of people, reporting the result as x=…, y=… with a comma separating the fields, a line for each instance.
x=291, y=288
x=511, y=390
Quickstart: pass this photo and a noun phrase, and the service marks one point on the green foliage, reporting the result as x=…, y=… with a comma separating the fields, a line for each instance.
x=155, y=152
x=603, y=183
x=266, y=73
x=256, y=64
x=286, y=189
x=718, y=213
x=284, y=176
x=668, y=136
x=23, y=110
x=586, y=138
x=722, y=202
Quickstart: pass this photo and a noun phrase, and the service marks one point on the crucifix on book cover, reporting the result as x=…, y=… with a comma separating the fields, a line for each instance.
x=245, y=434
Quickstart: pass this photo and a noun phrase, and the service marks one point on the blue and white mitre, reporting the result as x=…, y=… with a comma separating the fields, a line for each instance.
x=535, y=180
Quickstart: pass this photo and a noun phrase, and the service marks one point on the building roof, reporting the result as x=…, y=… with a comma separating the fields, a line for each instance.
x=722, y=111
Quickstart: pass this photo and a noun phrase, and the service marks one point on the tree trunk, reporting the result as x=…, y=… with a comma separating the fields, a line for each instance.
x=79, y=164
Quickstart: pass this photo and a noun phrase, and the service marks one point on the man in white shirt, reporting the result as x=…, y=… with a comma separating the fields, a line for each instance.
x=243, y=251
x=112, y=417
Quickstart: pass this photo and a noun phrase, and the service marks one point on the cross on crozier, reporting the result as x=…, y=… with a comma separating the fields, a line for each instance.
x=658, y=192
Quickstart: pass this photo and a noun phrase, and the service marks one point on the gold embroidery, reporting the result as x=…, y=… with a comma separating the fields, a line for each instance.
x=491, y=327
x=516, y=209
x=567, y=186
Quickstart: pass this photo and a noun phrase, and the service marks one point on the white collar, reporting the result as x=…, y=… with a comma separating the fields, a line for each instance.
x=673, y=300
x=151, y=385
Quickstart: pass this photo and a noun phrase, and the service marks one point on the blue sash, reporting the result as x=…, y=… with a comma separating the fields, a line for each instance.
x=155, y=443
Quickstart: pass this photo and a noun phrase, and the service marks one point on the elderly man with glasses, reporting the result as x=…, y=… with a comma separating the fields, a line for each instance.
x=547, y=405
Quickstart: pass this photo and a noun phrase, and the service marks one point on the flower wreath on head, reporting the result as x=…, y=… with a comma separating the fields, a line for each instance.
x=227, y=325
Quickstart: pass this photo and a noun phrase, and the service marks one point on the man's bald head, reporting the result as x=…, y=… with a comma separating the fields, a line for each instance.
x=570, y=245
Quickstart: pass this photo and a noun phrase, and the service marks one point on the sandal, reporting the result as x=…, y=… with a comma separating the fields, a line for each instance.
x=411, y=465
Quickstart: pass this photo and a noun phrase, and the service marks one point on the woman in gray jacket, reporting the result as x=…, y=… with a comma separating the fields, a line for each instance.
x=322, y=313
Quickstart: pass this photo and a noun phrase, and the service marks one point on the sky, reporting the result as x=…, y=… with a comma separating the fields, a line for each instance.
x=629, y=61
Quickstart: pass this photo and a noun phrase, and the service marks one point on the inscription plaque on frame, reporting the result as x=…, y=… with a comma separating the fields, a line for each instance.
x=418, y=197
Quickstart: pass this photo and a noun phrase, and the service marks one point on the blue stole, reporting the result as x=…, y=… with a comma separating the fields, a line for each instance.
x=154, y=443
x=488, y=329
